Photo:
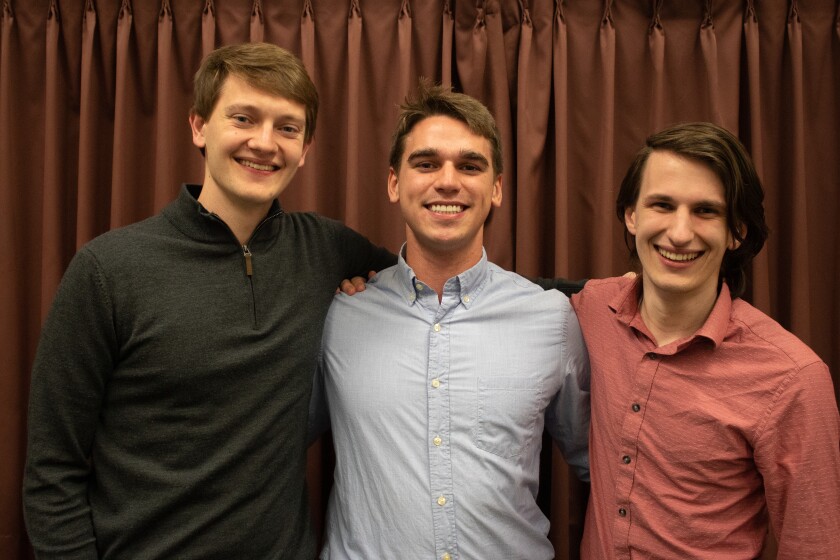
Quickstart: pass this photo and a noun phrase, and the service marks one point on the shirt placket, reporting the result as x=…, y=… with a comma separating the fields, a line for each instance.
x=627, y=455
x=438, y=437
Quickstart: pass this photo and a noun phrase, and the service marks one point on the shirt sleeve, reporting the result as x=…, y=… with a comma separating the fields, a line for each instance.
x=75, y=356
x=798, y=454
x=567, y=417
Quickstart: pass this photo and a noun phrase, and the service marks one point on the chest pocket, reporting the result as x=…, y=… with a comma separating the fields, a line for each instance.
x=507, y=409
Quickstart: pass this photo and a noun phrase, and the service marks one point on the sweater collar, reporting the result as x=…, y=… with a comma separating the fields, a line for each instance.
x=192, y=219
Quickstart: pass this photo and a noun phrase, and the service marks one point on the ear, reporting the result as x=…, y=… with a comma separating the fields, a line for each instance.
x=303, y=153
x=734, y=243
x=197, y=123
x=496, y=199
x=393, y=186
x=630, y=219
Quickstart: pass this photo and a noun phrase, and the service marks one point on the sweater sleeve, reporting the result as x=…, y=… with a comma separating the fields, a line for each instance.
x=75, y=355
x=798, y=455
x=360, y=255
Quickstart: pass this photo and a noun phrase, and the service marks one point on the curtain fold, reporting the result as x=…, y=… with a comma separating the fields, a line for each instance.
x=94, y=97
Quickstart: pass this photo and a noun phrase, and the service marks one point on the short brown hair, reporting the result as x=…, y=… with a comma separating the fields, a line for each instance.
x=263, y=66
x=434, y=100
x=724, y=154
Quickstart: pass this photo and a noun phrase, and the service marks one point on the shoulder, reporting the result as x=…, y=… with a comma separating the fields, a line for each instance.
x=758, y=331
x=516, y=296
x=600, y=292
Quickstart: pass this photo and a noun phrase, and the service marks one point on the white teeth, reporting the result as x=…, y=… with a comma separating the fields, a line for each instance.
x=446, y=208
x=256, y=166
x=678, y=256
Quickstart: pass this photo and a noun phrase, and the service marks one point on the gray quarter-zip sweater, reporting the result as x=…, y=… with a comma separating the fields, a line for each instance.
x=170, y=390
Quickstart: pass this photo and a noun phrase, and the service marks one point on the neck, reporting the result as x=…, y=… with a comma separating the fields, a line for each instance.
x=434, y=268
x=671, y=317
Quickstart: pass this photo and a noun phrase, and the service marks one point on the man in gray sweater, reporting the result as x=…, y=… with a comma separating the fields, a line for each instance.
x=169, y=397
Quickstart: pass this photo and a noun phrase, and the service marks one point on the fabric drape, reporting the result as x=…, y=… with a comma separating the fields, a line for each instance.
x=94, y=97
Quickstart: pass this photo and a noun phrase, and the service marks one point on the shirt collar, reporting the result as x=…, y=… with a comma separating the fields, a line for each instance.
x=625, y=305
x=465, y=286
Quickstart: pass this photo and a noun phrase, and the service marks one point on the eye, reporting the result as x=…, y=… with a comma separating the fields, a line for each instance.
x=425, y=166
x=707, y=211
x=240, y=119
x=472, y=168
x=290, y=130
x=661, y=205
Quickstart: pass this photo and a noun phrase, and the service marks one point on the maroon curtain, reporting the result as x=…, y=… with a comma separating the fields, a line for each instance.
x=94, y=97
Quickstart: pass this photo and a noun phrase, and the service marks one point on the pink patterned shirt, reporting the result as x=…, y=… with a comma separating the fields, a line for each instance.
x=695, y=443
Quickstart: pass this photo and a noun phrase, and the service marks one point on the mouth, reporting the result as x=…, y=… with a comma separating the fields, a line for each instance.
x=446, y=208
x=257, y=166
x=679, y=257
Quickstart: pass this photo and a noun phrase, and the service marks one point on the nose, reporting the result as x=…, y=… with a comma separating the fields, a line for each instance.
x=447, y=178
x=681, y=229
x=262, y=139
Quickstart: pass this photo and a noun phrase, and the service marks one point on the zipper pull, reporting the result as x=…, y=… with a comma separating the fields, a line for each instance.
x=249, y=268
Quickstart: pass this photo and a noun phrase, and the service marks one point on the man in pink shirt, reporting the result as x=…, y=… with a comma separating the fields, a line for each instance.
x=708, y=417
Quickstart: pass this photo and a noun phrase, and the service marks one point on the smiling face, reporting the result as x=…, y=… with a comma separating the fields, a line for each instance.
x=445, y=187
x=680, y=229
x=254, y=144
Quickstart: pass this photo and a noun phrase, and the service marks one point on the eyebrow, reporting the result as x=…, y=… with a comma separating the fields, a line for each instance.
x=469, y=155
x=665, y=198
x=246, y=108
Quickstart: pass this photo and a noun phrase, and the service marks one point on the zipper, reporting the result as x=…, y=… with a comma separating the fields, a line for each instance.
x=249, y=266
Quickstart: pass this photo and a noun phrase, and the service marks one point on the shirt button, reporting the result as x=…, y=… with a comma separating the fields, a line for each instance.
x=441, y=501
x=622, y=512
x=651, y=356
x=437, y=327
x=419, y=287
x=435, y=383
x=636, y=407
x=446, y=557
x=466, y=299
x=437, y=441
x=626, y=459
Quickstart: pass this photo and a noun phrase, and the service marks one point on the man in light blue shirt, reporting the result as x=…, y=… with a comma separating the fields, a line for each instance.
x=440, y=376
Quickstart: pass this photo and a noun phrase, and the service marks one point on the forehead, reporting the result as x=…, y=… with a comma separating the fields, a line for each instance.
x=445, y=135
x=237, y=91
x=670, y=174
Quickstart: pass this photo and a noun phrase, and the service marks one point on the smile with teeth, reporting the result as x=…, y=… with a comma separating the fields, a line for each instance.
x=446, y=208
x=679, y=257
x=257, y=166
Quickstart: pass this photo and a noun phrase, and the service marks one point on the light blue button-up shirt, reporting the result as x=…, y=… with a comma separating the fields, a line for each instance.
x=437, y=413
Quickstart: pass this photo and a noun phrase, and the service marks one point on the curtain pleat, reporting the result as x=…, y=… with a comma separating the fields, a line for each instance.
x=208, y=28
x=532, y=177
x=563, y=236
x=94, y=97
x=799, y=269
x=257, y=23
x=55, y=217
x=447, y=23
x=94, y=191
x=124, y=194
x=603, y=199
x=656, y=48
x=354, y=78
x=170, y=116
x=760, y=285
